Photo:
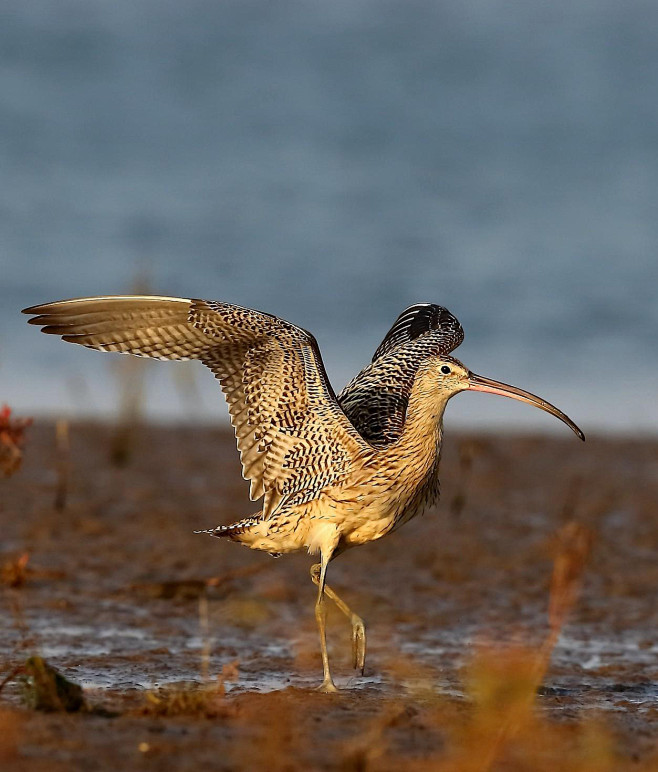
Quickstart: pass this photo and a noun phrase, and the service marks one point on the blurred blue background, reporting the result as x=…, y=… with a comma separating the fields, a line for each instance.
x=332, y=162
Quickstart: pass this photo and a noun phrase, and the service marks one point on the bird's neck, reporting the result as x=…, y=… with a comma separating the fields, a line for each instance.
x=424, y=420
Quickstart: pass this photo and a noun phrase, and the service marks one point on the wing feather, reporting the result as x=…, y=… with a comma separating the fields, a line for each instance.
x=376, y=400
x=293, y=437
x=420, y=319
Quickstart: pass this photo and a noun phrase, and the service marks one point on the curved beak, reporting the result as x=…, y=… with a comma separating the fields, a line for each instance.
x=480, y=383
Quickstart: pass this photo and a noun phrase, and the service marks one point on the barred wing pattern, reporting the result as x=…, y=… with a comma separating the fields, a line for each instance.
x=376, y=400
x=293, y=437
x=420, y=319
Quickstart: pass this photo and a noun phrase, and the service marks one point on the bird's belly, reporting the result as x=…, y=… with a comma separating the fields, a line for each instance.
x=366, y=531
x=283, y=533
x=351, y=516
x=373, y=522
x=319, y=524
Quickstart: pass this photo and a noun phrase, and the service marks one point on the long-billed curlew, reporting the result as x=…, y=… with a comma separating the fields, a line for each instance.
x=333, y=472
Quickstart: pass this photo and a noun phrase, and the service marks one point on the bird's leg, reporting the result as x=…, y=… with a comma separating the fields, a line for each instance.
x=358, y=626
x=328, y=684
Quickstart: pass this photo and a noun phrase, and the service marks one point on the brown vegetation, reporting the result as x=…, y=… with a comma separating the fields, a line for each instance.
x=12, y=438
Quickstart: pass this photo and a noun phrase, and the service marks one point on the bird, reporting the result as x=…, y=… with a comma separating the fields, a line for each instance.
x=332, y=471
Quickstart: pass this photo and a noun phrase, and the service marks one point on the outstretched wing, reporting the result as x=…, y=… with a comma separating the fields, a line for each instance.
x=376, y=400
x=292, y=435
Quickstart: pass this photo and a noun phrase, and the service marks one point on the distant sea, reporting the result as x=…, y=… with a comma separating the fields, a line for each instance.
x=333, y=162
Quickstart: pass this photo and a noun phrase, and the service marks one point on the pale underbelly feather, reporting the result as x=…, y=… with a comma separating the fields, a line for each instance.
x=346, y=517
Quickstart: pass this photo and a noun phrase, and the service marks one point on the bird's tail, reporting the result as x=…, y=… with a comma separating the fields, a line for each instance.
x=233, y=531
x=244, y=532
x=222, y=531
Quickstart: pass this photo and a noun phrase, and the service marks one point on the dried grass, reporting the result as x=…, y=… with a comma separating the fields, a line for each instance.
x=130, y=374
x=12, y=439
x=188, y=699
x=14, y=572
x=197, y=700
x=63, y=445
x=501, y=727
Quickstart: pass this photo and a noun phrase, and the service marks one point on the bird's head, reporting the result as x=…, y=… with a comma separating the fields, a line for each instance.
x=451, y=377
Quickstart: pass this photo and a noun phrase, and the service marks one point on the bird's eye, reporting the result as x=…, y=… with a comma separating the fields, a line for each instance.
x=446, y=370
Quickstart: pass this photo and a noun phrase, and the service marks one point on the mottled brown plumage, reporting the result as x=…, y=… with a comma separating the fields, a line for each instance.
x=333, y=472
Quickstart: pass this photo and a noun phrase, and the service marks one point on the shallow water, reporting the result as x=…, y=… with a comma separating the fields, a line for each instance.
x=593, y=670
x=333, y=163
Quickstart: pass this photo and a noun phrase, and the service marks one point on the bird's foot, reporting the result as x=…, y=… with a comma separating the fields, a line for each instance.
x=327, y=686
x=358, y=644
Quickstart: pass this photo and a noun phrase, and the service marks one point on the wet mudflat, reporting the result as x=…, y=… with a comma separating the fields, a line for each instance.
x=119, y=595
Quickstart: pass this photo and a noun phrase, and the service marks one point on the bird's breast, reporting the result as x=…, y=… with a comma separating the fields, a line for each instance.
x=390, y=495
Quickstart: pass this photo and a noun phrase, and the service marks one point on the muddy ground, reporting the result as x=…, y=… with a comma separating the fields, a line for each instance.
x=123, y=598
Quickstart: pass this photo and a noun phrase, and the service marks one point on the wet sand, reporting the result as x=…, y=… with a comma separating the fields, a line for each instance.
x=121, y=597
